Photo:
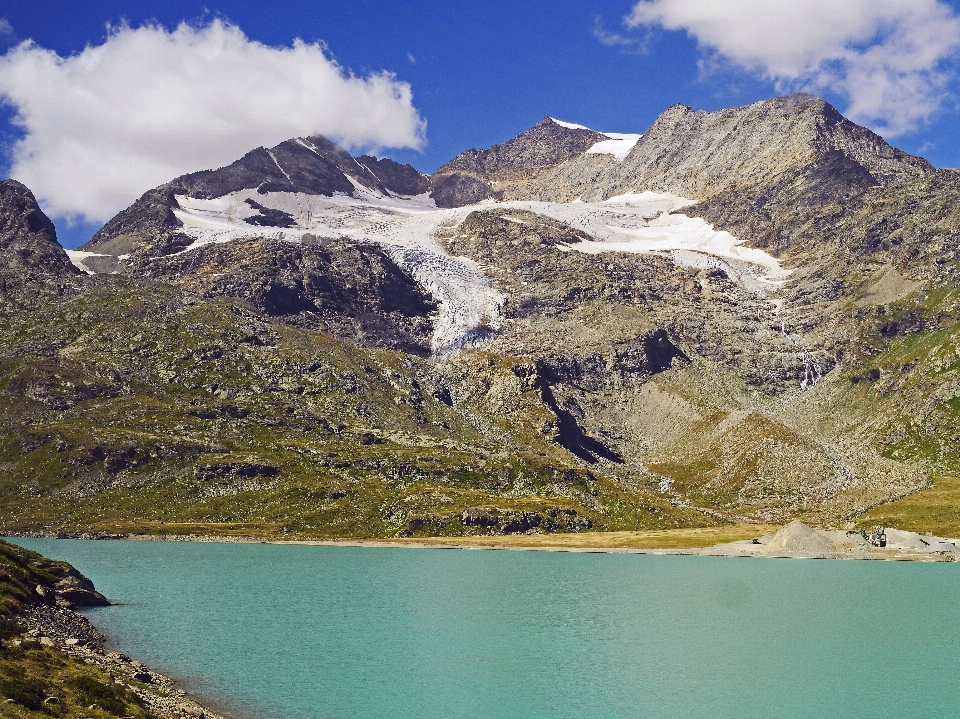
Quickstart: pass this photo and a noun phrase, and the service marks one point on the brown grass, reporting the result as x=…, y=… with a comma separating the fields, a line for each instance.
x=690, y=538
x=650, y=539
x=935, y=510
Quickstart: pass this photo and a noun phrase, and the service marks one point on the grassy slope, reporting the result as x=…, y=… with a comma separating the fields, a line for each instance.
x=113, y=399
x=935, y=510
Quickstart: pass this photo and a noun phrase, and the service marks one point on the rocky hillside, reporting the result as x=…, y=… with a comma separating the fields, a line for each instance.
x=136, y=406
x=751, y=315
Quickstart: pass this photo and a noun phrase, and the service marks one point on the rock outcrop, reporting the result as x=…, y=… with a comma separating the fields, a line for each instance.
x=347, y=290
x=32, y=262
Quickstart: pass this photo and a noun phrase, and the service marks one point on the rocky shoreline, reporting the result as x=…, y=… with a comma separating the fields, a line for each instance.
x=41, y=599
x=67, y=630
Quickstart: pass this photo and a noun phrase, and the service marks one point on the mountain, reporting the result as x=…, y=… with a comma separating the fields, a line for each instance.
x=312, y=166
x=749, y=314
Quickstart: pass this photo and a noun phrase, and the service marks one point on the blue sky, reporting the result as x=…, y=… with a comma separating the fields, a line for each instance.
x=479, y=72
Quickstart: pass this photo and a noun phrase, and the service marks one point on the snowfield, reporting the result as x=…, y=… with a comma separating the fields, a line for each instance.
x=78, y=256
x=405, y=227
x=619, y=145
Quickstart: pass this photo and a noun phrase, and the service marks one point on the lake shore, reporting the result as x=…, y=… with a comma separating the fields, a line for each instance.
x=743, y=540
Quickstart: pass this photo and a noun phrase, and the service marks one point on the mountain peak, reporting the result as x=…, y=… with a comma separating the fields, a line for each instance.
x=472, y=176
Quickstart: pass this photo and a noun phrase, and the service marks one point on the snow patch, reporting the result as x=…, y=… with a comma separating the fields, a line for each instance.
x=78, y=256
x=678, y=232
x=568, y=125
x=619, y=145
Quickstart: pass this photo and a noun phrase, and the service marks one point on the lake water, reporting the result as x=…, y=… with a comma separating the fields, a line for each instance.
x=301, y=632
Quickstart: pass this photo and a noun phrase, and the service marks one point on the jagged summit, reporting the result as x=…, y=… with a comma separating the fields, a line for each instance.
x=311, y=165
x=759, y=151
x=308, y=165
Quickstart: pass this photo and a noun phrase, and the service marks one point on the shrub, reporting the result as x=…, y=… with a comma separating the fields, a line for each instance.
x=94, y=691
x=26, y=692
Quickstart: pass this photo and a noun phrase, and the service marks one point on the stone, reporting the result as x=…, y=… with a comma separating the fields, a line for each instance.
x=75, y=590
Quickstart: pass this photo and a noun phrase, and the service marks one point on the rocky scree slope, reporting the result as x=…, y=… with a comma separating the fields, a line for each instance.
x=641, y=389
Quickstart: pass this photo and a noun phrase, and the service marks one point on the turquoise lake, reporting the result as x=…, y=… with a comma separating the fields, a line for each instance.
x=307, y=632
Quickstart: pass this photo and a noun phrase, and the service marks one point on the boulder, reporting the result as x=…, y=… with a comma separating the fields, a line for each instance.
x=75, y=590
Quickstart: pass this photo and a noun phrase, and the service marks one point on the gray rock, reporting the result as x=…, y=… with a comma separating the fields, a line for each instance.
x=33, y=266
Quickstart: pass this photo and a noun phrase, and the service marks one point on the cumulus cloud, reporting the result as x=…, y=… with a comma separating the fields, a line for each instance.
x=892, y=59
x=106, y=124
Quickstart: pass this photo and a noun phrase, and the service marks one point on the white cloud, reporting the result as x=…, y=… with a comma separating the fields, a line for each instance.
x=5, y=27
x=630, y=45
x=892, y=59
x=107, y=124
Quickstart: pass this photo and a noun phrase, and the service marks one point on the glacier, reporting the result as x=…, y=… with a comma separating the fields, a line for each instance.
x=469, y=303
